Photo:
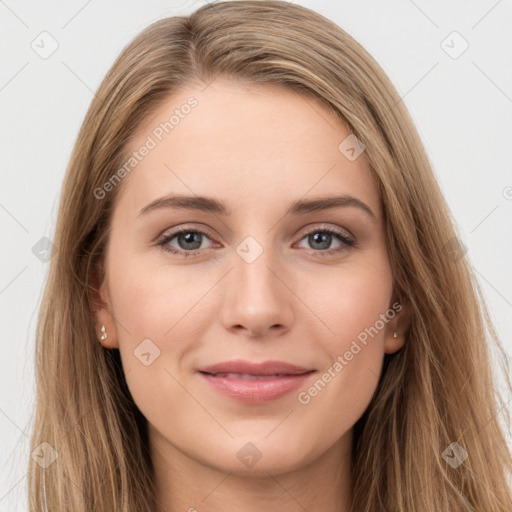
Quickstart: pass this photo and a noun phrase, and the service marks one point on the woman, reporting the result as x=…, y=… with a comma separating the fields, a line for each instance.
x=255, y=369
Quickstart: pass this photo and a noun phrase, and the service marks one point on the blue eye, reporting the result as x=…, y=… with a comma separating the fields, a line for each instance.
x=190, y=241
x=323, y=237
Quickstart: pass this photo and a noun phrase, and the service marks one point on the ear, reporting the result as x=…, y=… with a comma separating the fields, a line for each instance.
x=399, y=323
x=103, y=310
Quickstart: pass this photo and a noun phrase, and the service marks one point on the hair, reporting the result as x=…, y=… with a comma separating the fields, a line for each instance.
x=437, y=390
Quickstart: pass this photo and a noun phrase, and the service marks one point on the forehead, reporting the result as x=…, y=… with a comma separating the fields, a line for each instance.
x=249, y=145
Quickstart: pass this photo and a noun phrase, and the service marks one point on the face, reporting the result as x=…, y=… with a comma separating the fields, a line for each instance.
x=264, y=270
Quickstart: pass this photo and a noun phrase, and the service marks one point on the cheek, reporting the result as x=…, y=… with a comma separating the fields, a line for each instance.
x=148, y=299
x=353, y=306
x=160, y=311
x=352, y=301
x=153, y=307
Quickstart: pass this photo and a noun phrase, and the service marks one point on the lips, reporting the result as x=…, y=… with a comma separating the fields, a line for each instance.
x=249, y=368
x=255, y=382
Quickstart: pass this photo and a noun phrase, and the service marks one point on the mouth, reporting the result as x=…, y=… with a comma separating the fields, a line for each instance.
x=255, y=383
x=247, y=376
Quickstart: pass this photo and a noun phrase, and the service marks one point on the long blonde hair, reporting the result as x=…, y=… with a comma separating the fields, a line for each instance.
x=435, y=392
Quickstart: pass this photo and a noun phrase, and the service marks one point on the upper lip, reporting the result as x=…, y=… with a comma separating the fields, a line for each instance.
x=249, y=368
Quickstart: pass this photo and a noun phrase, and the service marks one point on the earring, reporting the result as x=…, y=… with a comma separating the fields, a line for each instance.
x=395, y=335
x=104, y=335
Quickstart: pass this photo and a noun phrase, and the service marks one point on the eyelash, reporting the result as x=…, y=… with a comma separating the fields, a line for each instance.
x=340, y=235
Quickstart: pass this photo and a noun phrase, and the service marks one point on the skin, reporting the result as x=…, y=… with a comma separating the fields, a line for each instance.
x=257, y=149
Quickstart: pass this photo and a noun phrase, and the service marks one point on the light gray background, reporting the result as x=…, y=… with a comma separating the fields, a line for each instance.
x=462, y=107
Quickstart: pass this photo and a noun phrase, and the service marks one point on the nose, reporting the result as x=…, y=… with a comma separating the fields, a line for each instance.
x=258, y=298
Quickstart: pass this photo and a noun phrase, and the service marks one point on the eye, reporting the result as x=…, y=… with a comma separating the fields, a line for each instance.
x=189, y=241
x=321, y=238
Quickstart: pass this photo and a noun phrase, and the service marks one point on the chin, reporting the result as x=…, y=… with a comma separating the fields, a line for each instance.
x=258, y=456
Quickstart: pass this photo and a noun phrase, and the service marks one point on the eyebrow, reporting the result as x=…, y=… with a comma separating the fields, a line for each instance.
x=211, y=205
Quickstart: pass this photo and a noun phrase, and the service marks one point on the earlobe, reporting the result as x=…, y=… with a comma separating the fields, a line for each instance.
x=394, y=342
x=398, y=327
x=105, y=328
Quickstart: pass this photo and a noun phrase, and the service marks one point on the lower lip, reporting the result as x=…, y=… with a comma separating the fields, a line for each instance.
x=256, y=391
